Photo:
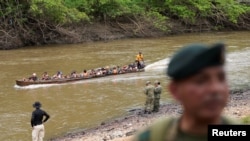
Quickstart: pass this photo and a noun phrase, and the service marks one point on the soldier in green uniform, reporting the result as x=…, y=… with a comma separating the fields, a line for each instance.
x=157, y=96
x=149, y=92
x=198, y=81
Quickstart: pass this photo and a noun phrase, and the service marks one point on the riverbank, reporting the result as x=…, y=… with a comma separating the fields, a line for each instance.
x=112, y=30
x=123, y=129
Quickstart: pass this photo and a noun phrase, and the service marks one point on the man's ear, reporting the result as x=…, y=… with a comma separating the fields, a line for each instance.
x=173, y=89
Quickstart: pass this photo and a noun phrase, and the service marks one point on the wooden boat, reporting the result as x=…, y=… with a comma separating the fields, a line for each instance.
x=66, y=80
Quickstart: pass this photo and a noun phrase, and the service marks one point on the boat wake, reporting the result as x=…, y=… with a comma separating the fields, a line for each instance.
x=35, y=86
x=158, y=66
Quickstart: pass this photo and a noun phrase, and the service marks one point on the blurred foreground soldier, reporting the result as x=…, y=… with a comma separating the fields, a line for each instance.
x=199, y=83
x=157, y=96
x=149, y=91
x=37, y=122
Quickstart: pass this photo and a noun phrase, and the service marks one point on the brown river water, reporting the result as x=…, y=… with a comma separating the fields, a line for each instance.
x=87, y=103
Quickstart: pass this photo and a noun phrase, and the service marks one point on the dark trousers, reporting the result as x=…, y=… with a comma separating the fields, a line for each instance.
x=139, y=65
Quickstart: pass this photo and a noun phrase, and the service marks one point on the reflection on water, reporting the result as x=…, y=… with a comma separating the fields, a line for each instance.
x=87, y=103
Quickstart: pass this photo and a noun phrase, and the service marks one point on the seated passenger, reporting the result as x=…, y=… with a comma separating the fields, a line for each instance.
x=73, y=74
x=92, y=73
x=66, y=76
x=119, y=70
x=108, y=70
x=132, y=66
x=99, y=72
x=104, y=71
x=125, y=68
x=84, y=74
x=33, y=77
x=45, y=76
x=58, y=75
x=115, y=70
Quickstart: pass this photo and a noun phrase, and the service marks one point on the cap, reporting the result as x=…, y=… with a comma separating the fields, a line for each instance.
x=37, y=104
x=148, y=82
x=192, y=58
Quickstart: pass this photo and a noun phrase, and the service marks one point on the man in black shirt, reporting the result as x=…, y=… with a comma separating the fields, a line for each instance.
x=37, y=122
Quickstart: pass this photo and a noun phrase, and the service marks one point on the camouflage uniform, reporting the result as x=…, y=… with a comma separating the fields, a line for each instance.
x=167, y=130
x=157, y=96
x=149, y=91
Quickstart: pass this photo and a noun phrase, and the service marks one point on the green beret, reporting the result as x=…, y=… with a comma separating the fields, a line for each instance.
x=192, y=58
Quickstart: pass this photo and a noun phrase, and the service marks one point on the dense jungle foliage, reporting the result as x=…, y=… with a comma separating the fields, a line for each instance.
x=25, y=18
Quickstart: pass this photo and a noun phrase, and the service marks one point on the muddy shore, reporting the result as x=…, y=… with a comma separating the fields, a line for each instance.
x=124, y=128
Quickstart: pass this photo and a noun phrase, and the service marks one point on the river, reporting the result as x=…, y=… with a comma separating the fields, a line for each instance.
x=86, y=104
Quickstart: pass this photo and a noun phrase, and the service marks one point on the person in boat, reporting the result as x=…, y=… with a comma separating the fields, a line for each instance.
x=58, y=75
x=139, y=60
x=111, y=70
x=130, y=67
x=124, y=69
x=45, y=76
x=33, y=77
x=115, y=71
x=119, y=70
x=84, y=74
x=99, y=72
x=108, y=70
x=104, y=71
x=73, y=74
x=92, y=73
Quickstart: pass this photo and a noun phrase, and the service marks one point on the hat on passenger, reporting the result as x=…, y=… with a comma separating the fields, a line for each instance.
x=194, y=57
x=37, y=104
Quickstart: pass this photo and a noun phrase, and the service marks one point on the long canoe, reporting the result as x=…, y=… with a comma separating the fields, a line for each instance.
x=66, y=80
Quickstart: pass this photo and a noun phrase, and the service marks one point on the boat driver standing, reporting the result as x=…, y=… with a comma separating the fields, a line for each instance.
x=139, y=60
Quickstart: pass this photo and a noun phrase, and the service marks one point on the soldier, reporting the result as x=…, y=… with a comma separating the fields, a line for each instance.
x=199, y=82
x=149, y=91
x=157, y=96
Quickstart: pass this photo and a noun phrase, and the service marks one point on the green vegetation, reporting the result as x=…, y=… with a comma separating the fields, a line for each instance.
x=30, y=16
x=68, y=11
x=246, y=120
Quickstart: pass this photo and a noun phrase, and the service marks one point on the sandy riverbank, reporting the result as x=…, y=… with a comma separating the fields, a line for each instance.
x=123, y=129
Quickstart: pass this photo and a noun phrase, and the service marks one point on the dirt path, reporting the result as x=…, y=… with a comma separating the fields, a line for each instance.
x=123, y=129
